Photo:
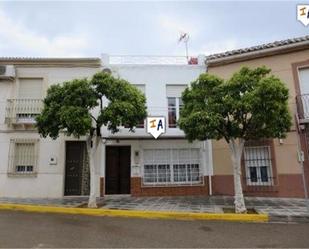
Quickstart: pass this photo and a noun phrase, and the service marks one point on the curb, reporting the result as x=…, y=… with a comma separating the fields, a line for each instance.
x=289, y=218
x=137, y=213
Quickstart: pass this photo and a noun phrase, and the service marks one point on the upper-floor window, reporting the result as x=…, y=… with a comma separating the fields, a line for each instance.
x=303, y=99
x=174, y=106
x=174, y=103
x=30, y=88
x=27, y=102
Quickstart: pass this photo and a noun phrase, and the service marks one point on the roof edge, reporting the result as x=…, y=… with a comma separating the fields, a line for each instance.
x=257, y=52
x=84, y=61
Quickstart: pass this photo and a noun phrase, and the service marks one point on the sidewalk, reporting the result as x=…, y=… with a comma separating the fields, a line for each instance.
x=278, y=209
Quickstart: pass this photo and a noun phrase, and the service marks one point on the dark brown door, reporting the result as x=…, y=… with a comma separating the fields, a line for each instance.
x=73, y=167
x=118, y=161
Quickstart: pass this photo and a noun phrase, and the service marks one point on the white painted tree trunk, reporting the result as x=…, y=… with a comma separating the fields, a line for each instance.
x=237, y=149
x=92, y=149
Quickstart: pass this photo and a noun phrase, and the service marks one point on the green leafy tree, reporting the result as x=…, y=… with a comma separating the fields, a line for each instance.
x=252, y=104
x=76, y=108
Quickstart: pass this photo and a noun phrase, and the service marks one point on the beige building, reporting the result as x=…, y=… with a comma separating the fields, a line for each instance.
x=270, y=168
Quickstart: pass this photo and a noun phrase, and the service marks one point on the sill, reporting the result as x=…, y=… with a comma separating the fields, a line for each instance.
x=260, y=188
x=173, y=185
x=22, y=175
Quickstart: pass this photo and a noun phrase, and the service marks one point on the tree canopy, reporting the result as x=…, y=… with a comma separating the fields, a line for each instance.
x=252, y=104
x=72, y=106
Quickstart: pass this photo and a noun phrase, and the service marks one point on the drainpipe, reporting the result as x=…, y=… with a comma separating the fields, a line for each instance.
x=209, y=185
x=301, y=159
x=207, y=147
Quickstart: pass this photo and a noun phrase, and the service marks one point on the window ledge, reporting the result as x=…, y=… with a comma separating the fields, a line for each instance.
x=34, y=174
x=172, y=185
x=257, y=188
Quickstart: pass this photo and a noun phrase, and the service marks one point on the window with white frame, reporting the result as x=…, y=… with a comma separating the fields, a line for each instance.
x=23, y=156
x=171, y=166
x=174, y=103
x=258, y=165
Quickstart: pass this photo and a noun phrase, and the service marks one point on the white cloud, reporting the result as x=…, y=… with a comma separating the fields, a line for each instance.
x=16, y=34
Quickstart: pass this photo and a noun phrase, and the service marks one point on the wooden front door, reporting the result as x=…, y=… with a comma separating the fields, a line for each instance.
x=73, y=167
x=118, y=161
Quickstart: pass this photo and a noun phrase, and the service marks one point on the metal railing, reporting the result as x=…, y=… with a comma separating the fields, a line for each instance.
x=149, y=59
x=22, y=110
x=302, y=102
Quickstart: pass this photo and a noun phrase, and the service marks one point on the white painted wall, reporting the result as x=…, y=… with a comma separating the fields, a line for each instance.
x=49, y=181
x=155, y=78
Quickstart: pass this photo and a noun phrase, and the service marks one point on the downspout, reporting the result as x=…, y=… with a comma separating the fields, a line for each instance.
x=207, y=147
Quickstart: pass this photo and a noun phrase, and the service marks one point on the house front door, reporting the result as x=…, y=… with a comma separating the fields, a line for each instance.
x=117, y=174
x=76, y=169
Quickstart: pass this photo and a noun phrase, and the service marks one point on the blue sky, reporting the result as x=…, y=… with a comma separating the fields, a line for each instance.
x=142, y=28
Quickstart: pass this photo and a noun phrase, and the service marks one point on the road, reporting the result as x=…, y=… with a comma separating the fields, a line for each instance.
x=19, y=229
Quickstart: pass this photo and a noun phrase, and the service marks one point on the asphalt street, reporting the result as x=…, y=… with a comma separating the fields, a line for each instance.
x=35, y=230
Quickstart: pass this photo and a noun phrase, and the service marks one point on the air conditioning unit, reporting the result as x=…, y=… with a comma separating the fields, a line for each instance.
x=7, y=72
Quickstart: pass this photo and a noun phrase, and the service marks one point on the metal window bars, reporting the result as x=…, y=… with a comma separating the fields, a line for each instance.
x=170, y=167
x=22, y=110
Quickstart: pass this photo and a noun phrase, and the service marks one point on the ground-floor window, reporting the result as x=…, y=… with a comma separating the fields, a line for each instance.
x=258, y=165
x=171, y=166
x=23, y=156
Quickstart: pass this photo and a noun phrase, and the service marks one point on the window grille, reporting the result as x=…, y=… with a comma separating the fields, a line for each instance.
x=23, y=156
x=172, y=166
x=258, y=165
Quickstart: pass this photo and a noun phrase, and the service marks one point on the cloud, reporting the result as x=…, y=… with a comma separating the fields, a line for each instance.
x=14, y=34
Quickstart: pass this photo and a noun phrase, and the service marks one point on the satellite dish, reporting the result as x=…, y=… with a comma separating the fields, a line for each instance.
x=107, y=70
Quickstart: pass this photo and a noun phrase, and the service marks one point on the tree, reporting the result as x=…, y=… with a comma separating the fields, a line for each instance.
x=252, y=104
x=76, y=108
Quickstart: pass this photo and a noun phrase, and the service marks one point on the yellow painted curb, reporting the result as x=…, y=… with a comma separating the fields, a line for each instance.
x=137, y=213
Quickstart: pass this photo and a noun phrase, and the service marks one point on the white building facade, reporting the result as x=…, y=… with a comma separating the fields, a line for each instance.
x=127, y=163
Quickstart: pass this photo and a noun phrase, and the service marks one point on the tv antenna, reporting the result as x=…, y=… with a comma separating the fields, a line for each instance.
x=184, y=37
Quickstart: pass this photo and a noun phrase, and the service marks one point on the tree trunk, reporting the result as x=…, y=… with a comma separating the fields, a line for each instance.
x=91, y=149
x=237, y=149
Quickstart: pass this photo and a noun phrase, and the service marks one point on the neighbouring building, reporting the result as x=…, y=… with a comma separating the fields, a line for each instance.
x=136, y=163
x=31, y=166
x=269, y=167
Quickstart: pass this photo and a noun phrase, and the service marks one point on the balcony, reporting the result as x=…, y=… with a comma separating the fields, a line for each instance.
x=22, y=111
x=302, y=102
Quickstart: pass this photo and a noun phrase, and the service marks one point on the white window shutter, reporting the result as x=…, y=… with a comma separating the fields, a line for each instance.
x=304, y=80
x=30, y=88
x=175, y=90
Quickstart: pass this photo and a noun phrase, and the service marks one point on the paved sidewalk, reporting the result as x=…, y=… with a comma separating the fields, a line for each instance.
x=59, y=202
x=275, y=207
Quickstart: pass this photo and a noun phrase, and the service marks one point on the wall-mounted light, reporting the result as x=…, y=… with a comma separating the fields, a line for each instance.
x=136, y=157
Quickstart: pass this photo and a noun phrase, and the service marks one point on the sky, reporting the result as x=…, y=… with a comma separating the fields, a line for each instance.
x=88, y=29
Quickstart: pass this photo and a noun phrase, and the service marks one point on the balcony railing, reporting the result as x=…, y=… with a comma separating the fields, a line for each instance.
x=302, y=102
x=22, y=111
